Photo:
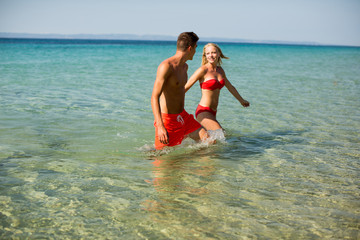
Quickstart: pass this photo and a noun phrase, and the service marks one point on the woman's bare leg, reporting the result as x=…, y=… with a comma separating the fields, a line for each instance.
x=208, y=121
x=199, y=134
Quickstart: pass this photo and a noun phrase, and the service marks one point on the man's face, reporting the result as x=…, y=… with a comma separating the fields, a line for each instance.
x=192, y=51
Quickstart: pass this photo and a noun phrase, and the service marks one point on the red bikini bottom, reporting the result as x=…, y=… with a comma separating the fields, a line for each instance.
x=201, y=109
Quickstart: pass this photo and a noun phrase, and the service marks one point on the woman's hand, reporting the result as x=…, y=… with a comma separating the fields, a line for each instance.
x=245, y=103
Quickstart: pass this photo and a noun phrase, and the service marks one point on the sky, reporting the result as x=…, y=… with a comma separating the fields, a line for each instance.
x=334, y=22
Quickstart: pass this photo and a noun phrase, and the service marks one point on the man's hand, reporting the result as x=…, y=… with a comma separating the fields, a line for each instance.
x=163, y=135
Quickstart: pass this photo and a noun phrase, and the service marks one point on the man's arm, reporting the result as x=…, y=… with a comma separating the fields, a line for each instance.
x=161, y=76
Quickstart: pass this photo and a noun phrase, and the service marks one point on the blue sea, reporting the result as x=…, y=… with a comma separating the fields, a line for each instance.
x=76, y=145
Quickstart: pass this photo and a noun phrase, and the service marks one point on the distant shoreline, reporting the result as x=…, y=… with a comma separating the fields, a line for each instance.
x=154, y=38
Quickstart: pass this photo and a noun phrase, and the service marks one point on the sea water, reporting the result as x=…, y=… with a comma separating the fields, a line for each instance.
x=77, y=135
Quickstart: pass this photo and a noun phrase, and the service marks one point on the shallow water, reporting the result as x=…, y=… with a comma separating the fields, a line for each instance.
x=77, y=159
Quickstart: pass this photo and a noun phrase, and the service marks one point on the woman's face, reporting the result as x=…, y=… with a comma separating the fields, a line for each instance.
x=211, y=54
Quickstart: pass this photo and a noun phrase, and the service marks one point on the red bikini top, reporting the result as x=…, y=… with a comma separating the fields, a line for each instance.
x=212, y=84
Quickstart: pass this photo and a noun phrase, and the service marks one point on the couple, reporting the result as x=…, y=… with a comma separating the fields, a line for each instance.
x=172, y=122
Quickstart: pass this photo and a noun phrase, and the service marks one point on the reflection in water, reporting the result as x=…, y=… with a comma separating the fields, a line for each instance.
x=184, y=187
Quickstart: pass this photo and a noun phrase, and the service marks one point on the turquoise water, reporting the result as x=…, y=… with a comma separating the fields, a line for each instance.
x=76, y=134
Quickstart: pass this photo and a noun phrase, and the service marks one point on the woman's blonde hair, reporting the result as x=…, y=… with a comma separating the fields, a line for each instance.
x=205, y=61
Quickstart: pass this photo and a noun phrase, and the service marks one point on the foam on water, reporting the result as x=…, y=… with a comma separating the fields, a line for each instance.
x=217, y=135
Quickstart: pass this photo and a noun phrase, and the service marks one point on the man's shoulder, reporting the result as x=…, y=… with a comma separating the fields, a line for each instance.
x=165, y=65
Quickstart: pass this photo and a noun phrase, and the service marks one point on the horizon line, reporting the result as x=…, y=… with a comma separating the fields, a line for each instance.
x=154, y=37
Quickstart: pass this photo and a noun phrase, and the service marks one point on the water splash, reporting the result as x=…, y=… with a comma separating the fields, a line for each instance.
x=217, y=135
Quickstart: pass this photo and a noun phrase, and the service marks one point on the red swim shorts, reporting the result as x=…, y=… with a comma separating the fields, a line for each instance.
x=201, y=109
x=177, y=126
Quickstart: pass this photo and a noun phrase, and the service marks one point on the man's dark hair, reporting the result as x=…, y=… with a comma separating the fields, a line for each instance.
x=186, y=39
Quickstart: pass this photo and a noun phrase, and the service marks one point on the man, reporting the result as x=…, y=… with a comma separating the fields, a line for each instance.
x=172, y=122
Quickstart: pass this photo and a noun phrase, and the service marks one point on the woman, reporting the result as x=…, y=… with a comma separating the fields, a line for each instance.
x=212, y=78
